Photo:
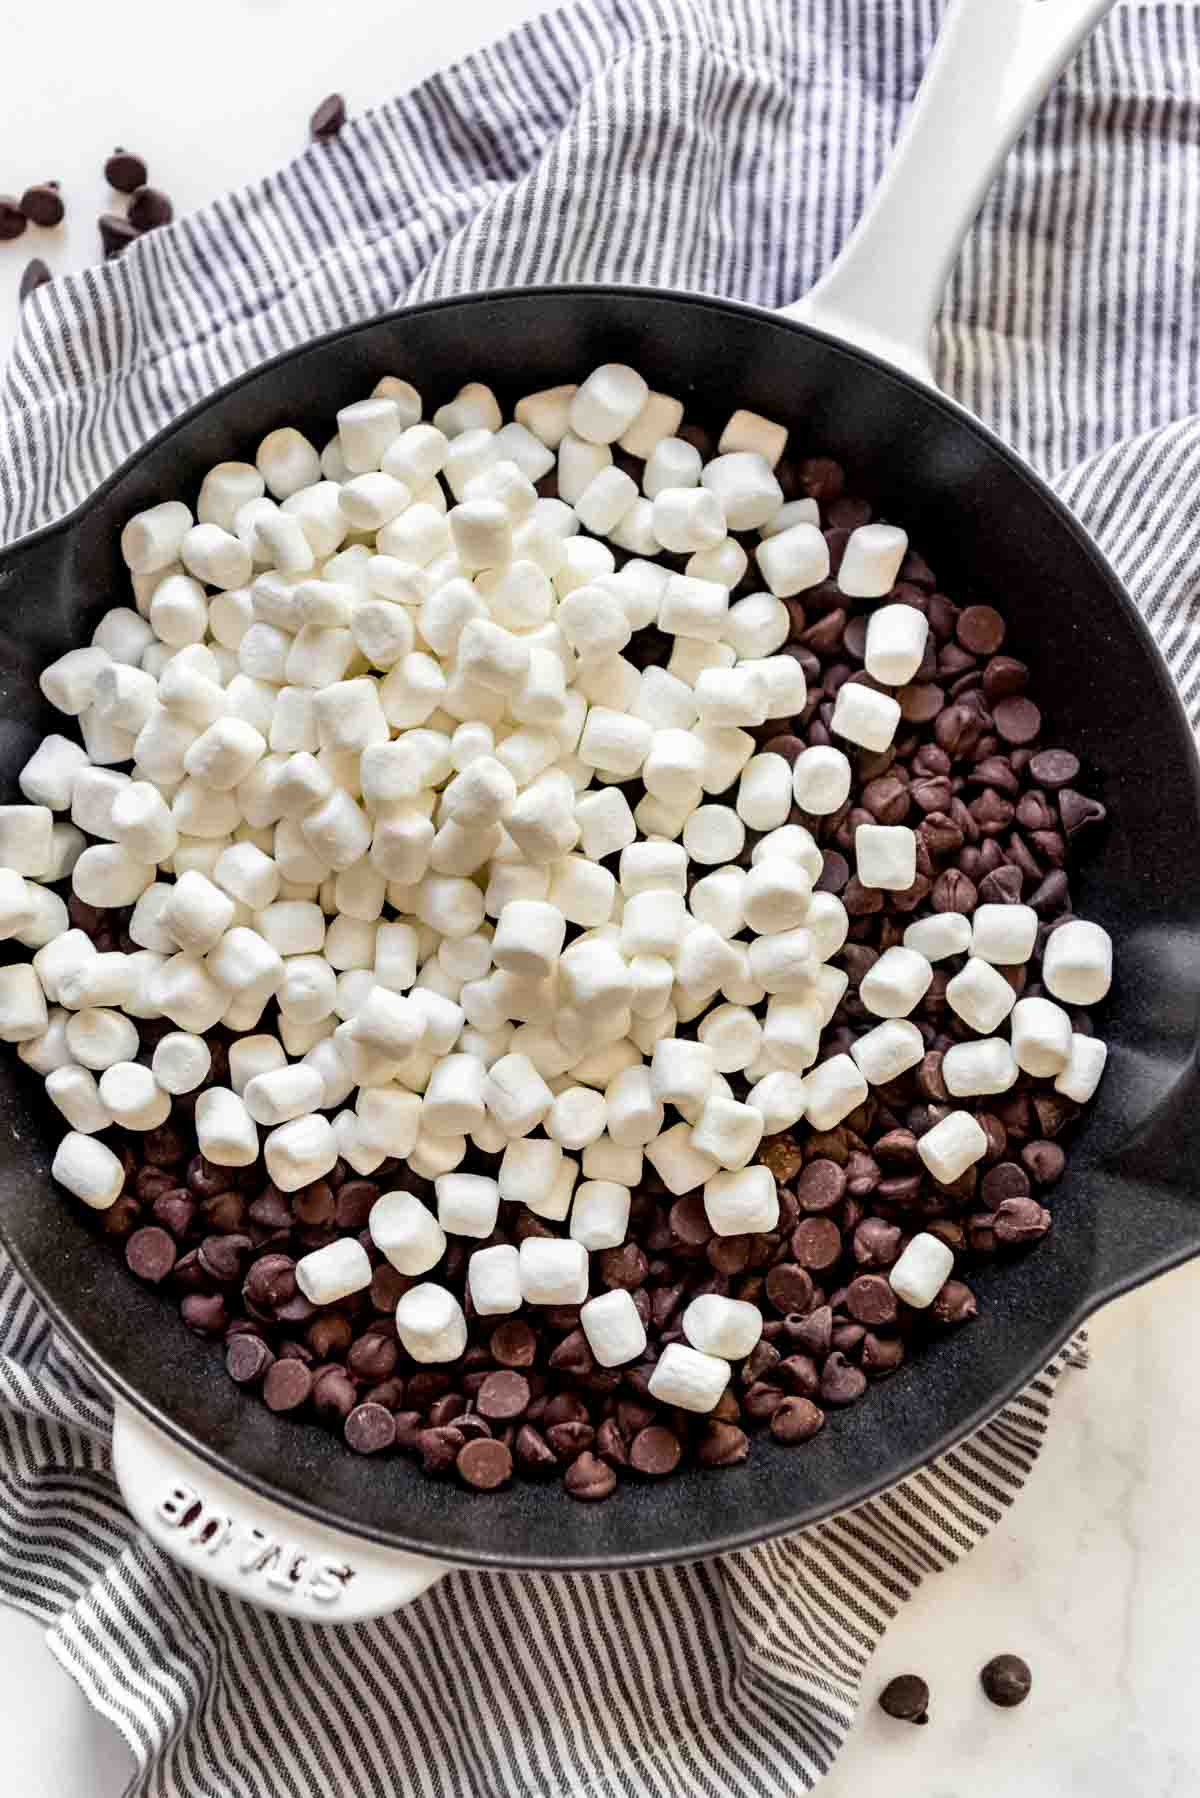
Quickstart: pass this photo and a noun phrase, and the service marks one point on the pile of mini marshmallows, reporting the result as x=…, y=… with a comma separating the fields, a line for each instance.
x=343, y=691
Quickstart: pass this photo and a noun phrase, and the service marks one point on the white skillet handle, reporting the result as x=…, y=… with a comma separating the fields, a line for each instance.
x=991, y=66
x=255, y=1549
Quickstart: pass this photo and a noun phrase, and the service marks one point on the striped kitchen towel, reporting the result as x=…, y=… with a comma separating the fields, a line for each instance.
x=725, y=145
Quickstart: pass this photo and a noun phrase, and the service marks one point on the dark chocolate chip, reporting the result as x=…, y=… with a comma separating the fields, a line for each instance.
x=655, y=1451
x=796, y=1420
x=906, y=1698
x=12, y=219
x=589, y=1478
x=722, y=1445
x=247, y=1359
x=287, y=1386
x=1006, y=1680
x=503, y=1396
x=149, y=208
x=328, y=118
x=42, y=204
x=124, y=171
x=116, y=233
x=150, y=1253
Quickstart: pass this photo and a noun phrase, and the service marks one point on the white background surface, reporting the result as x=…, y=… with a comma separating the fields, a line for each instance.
x=1095, y=1574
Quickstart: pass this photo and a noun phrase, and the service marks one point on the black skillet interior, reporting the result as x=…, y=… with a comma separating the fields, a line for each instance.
x=1127, y=1207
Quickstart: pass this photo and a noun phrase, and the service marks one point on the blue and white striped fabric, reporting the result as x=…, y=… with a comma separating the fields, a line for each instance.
x=725, y=145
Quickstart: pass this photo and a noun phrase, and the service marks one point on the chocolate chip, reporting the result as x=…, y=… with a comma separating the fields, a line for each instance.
x=369, y=1428
x=485, y=1464
x=1045, y=1162
x=980, y=629
x=125, y=171
x=589, y=1478
x=247, y=1359
x=906, y=1698
x=1020, y=1220
x=116, y=233
x=12, y=219
x=328, y=118
x=783, y=1155
x=870, y=1300
x=1077, y=811
x=796, y=1420
x=287, y=1386
x=821, y=1186
x=954, y=1304
x=533, y=1451
x=503, y=1396
x=149, y=208
x=439, y=1449
x=1006, y=1680
x=1005, y=1181
x=42, y=204
x=150, y=1253
x=1017, y=720
x=789, y=1287
x=816, y=1243
x=722, y=1445
x=841, y=1382
x=655, y=1451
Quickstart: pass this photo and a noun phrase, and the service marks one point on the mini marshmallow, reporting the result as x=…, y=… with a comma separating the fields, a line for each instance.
x=494, y=1280
x=941, y=934
x=791, y=561
x=780, y=1099
x=714, y=835
x=142, y=822
x=614, y=1329
x=865, y=717
x=731, y=696
x=225, y=1131
x=183, y=991
x=389, y=1120
x=198, y=913
x=634, y=1112
x=547, y=414
x=776, y=896
x=133, y=1096
x=888, y=1051
x=251, y=1056
x=18, y=903
x=764, y=796
x=981, y=997
x=516, y=1095
x=896, y=638
x=952, y=1146
x=717, y=899
x=326, y=1275
x=896, y=983
x=584, y=893
x=577, y=1117
x=453, y=1102
x=614, y=742
x=872, y=561
x=694, y=608
x=1004, y=934
x=728, y=1328
x=1077, y=962
x=975, y=1068
x=726, y=562
x=247, y=875
x=1085, y=1065
x=606, y=404
x=431, y=1325
x=734, y=1035
x=224, y=490
x=292, y=926
x=687, y=1379
x=47, y=1053
x=179, y=611
x=50, y=918
x=744, y=484
x=25, y=838
x=743, y=1201
x=282, y=1094
x=885, y=856
x=1041, y=1037
x=751, y=431
x=49, y=776
x=74, y=1090
x=833, y=1089
x=653, y=923
x=554, y=1271
x=528, y=1170
x=529, y=938
x=468, y=1204
x=728, y=1131
x=181, y=1062
x=473, y=408
x=792, y=1032
x=107, y=979
x=125, y=697
x=921, y=1271
x=88, y=1170
x=600, y=1214
x=757, y=626
x=300, y=1152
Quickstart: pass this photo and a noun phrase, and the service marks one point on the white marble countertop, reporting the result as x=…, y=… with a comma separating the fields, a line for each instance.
x=1094, y=1576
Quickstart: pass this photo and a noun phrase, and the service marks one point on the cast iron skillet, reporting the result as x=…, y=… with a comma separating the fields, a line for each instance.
x=1127, y=1208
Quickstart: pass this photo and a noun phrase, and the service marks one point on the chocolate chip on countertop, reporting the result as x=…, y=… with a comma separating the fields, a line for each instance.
x=1006, y=1679
x=906, y=1698
x=149, y=208
x=116, y=233
x=12, y=219
x=124, y=171
x=328, y=118
x=42, y=204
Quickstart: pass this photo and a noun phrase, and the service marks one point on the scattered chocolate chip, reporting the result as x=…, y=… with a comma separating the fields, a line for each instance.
x=116, y=233
x=906, y=1698
x=124, y=171
x=328, y=118
x=1006, y=1680
x=42, y=204
x=149, y=208
x=12, y=219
